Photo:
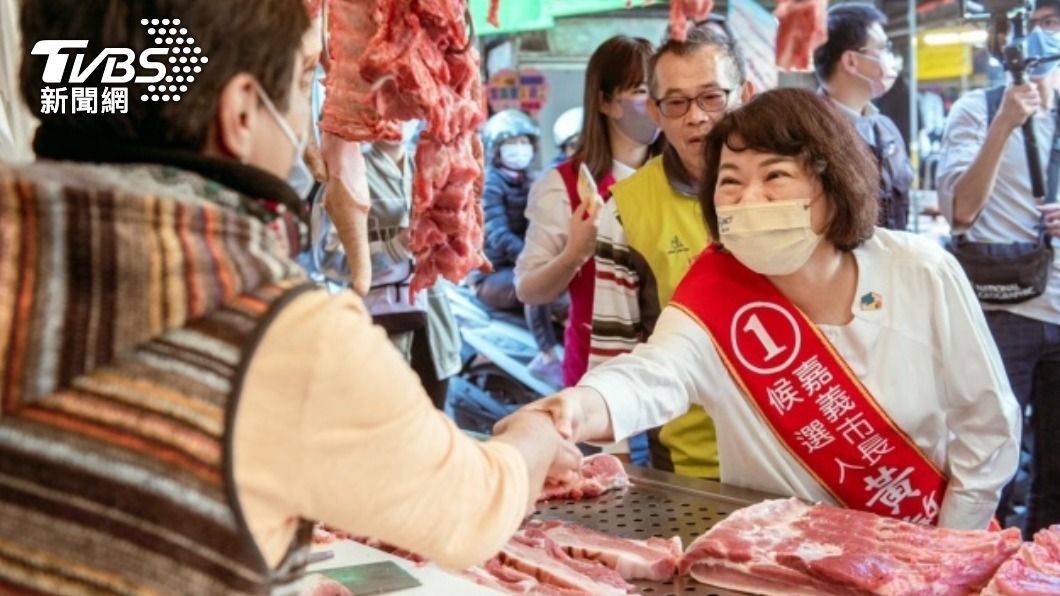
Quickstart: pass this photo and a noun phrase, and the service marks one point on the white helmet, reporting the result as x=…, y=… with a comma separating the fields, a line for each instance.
x=567, y=125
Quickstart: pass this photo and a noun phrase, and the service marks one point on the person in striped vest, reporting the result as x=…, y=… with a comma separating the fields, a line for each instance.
x=177, y=404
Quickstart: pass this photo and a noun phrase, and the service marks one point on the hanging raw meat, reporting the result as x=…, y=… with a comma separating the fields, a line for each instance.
x=802, y=28
x=681, y=11
x=421, y=64
x=349, y=111
x=491, y=15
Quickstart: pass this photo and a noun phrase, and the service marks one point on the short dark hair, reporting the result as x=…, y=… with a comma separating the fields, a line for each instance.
x=800, y=123
x=848, y=29
x=258, y=37
x=1053, y=4
x=699, y=38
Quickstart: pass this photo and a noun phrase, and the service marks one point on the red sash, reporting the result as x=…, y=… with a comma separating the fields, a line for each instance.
x=812, y=402
x=577, y=337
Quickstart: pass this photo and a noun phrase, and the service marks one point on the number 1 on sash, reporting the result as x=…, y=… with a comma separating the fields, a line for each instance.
x=754, y=325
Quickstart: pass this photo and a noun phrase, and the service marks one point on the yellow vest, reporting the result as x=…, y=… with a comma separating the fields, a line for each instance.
x=667, y=229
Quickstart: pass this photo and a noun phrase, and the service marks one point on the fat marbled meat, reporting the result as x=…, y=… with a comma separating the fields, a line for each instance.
x=1034, y=571
x=683, y=10
x=397, y=60
x=787, y=547
x=802, y=28
x=349, y=109
x=654, y=559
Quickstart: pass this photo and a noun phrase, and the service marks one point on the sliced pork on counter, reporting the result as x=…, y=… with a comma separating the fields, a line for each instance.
x=599, y=474
x=654, y=559
x=790, y=548
x=533, y=552
x=1034, y=571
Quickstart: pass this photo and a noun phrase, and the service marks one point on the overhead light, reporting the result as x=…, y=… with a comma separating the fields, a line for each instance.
x=948, y=38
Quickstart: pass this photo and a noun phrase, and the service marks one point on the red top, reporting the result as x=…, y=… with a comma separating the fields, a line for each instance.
x=580, y=317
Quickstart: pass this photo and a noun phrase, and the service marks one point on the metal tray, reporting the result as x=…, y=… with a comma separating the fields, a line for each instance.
x=658, y=504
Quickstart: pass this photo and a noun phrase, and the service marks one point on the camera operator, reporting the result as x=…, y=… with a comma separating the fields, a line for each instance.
x=985, y=191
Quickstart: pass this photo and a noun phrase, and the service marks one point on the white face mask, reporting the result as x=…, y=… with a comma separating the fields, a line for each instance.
x=771, y=238
x=887, y=74
x=517, y=156
x=294, y=176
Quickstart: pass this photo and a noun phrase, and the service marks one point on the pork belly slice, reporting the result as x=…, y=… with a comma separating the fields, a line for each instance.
x=787, y=547
x=654, y=559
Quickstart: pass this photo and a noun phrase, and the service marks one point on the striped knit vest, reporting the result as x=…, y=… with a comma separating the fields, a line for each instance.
x=129, y=309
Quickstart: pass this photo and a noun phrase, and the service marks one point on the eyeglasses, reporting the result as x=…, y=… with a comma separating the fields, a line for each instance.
x=711, y=101
x=1050, y=23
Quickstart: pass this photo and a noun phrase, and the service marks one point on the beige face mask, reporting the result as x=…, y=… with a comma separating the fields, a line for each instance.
x=771, y=238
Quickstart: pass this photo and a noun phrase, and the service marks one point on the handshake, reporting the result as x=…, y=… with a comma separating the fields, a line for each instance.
x=546, y=431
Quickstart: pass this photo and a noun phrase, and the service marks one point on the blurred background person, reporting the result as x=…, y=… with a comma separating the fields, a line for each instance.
x=511, y=139
x=565, y=132
x=854, y=67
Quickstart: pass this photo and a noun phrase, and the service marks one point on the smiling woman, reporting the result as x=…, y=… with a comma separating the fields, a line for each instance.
x=818, y=342
x=777, y=148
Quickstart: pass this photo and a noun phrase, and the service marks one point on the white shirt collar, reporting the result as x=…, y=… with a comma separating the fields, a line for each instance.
x=620, y=170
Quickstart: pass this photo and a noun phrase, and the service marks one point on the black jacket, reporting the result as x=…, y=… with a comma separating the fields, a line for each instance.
x=504, y=204
x=896, y=173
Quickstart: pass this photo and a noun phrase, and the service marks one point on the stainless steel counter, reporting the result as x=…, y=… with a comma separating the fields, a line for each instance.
x=658, y=504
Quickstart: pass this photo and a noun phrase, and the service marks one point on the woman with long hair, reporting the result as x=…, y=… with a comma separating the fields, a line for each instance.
x=615, y=140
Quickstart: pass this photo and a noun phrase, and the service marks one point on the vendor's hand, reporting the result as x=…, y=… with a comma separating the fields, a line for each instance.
x=567, y=465
x=549, y=456
x=581, y=233
x=1051, y=218
x=1018, y=104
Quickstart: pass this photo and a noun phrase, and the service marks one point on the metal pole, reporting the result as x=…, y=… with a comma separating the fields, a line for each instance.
x=914, y=125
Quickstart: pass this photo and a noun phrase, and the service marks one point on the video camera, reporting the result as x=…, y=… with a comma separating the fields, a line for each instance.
x=1007, y=34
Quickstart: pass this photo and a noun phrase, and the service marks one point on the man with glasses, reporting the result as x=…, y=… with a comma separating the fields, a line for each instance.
x=985, y=191
x=855, y=66
x=653, y=228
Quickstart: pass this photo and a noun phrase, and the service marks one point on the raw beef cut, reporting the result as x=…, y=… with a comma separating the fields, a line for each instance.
x=654, y=559
x=787, y=547
x=599, y=474
x=1034, y=571
x=534, y=553
x=681, y=11
x=349, y=111
x=802, y=28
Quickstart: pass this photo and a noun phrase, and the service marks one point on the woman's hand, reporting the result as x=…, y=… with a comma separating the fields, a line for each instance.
x=581, y=233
